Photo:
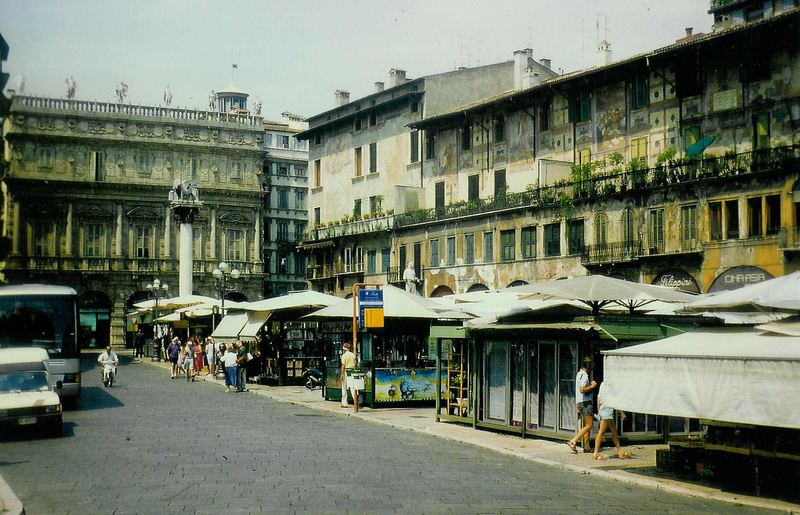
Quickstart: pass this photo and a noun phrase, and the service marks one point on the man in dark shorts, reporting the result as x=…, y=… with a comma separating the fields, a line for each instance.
x=583, y=401
x=173, y=351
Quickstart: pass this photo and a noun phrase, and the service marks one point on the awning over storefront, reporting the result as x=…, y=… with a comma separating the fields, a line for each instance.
x=738, y=375
x=230, y=326
x=254, y=323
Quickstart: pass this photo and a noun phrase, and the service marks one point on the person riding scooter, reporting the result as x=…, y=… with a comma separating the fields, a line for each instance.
x=107, y=360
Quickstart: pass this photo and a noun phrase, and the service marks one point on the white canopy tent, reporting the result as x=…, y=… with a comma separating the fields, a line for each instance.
x=230, y=326
x=779, y=293
x=730, y=375
x=176, y=302
x=599, y=291
x=293, y=300
x=255, y=319
x=397, y=303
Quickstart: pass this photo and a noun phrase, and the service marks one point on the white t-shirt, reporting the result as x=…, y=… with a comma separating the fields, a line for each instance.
x=582, y=380
x=229, y=359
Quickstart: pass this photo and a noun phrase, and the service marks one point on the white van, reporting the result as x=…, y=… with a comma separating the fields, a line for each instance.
x=26, y=395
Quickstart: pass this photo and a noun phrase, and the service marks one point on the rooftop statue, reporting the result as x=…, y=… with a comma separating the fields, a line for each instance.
x=70, y=87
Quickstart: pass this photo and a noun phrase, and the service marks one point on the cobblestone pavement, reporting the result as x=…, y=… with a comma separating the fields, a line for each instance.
x=155, y=445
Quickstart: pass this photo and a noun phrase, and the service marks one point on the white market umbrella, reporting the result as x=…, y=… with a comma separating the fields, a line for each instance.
x=176, y=302
x=171, y=317
x=598, y=291
x=781, y=292
x=305, y=299
x=397, y=303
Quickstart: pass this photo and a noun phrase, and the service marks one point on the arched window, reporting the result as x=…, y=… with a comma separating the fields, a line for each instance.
x=441, y=291
x=600, y=229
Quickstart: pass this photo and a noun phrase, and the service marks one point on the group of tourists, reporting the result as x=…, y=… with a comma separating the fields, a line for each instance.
x=189, y=359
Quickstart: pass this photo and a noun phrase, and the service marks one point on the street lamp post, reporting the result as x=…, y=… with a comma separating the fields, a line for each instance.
x=157, y=292
x=223, y=280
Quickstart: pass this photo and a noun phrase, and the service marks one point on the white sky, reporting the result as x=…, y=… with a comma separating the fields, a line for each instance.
x=294, y=54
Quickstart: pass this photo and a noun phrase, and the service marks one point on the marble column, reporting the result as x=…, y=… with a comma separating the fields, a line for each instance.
x=168, y=234
x=213, y=246
x=68, y=236
x=118, y=233
x=186, y=265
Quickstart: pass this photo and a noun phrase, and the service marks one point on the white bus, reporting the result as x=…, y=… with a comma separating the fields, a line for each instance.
x=46, y=316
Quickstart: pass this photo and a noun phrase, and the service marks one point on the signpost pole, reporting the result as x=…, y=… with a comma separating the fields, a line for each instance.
x=356, y=287
x=355, y=344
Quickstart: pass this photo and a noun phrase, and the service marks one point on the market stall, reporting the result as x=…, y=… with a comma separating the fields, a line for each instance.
x=400, y=365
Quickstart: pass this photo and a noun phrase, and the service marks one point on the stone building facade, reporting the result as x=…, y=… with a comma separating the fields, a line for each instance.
x=366, y=164
x=86, y=200
x=286, y=221
x=678, y=166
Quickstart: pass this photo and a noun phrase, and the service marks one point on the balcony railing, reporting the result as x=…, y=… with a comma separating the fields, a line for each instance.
x=675, y=173
x=614, y=252
x=91, y=106
x=789, y=238
x=361, y=226
x=104, y=264
x=319, y=272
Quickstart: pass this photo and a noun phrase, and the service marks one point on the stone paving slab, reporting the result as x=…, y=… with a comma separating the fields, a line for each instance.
x=154, y=445
x=636, y=470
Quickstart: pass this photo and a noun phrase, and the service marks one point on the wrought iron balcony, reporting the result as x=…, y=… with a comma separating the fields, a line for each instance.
x=789, y=238
x=351, y=227
x=635, y=177
x=614, y=252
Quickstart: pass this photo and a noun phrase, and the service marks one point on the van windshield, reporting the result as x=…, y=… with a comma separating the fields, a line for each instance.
x=23, y=382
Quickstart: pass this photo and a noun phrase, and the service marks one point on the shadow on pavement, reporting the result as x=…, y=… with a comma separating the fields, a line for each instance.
x=94, y=397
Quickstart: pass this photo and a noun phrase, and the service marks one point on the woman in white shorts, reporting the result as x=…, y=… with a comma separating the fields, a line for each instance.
x=607, y=422
x=211, y=356
x=188, y=362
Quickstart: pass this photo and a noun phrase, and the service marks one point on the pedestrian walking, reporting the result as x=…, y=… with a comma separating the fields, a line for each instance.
x=173, y=353
x=211, y=356
x=198, y=357
x=138, y=345
x=229, y=363
x=583, y=400
x=348, y=361
x=242, y=357
x=607, y=422
x=188, y=360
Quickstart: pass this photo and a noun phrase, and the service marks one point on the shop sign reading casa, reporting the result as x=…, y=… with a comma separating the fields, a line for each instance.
x=739, y=276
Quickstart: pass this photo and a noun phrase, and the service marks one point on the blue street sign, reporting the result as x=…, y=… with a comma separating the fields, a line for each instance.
x=371, y=298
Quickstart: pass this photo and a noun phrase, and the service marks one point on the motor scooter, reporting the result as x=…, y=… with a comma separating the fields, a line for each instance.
x=313, y=377
x=109, y=373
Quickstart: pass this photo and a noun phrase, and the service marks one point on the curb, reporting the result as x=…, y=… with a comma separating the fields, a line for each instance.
x=9, y=502
x=619, y=475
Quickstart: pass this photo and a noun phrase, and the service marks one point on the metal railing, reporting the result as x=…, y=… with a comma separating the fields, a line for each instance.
x=789, y=238
x=681, y=172
x=92, y=106
x=613, y=252
x=351, y=227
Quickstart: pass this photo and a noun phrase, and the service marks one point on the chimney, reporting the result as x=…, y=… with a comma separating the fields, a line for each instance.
x=522, y=60
x=546, y=63
x=689, y=32
x=530, y=78
x=396, y=77
x=342, y=97
x=379, y=87
x=603, y=53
